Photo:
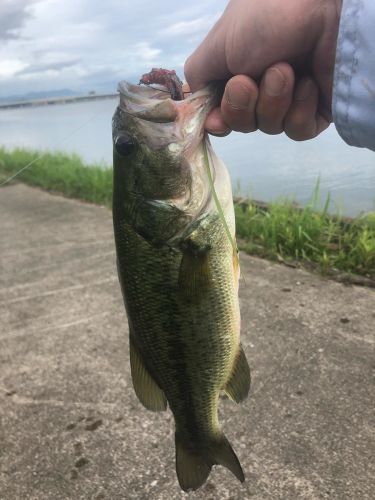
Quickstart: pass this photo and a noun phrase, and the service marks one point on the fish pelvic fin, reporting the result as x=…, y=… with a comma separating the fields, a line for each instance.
x=238, y=385
x=147, y=390
x=194, y=464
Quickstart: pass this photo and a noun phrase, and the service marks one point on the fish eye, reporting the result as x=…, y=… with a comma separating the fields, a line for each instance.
x=124, y=145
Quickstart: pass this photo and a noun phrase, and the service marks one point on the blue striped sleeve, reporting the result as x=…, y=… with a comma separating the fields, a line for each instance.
x=354, y=81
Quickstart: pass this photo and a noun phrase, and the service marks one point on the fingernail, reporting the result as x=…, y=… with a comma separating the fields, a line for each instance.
x=237, y=96
x=304, y=90
x=218, y=133
x=274, y=82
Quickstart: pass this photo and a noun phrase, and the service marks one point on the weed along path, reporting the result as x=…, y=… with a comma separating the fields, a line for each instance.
x=70, y=424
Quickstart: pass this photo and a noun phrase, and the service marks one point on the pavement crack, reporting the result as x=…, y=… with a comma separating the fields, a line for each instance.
x=89, y=319
x=60, y=290
x=59, y=403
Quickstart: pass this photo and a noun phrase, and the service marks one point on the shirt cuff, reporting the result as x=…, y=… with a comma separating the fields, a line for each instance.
x=354, y=80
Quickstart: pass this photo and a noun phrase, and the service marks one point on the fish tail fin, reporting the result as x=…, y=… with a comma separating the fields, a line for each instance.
x=194, y=464
x=222, y=453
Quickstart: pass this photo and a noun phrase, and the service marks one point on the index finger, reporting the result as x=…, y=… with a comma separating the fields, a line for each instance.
x=206, y=63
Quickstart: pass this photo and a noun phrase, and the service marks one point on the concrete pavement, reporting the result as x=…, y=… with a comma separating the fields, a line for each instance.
x=70, y=424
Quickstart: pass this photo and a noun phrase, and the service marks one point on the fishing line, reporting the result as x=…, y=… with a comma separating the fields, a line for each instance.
x=56, y=145
x=219, y=207
x=216, y=199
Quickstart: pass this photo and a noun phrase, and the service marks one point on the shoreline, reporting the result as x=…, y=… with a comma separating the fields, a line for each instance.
x=280, y=231
x=51, y=101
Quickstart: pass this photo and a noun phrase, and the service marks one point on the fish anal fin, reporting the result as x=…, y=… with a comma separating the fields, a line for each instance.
x=193, y=464
x=238, y=385
x=146, y=389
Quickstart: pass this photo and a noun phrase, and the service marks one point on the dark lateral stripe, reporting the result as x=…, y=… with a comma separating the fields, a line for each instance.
x=177, y=359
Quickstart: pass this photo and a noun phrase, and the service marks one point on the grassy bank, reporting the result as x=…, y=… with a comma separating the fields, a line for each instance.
x=60, y=172
x=279, y=231
x=309, y=235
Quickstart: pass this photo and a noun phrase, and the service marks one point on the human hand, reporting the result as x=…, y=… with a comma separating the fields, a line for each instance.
x=278, y=59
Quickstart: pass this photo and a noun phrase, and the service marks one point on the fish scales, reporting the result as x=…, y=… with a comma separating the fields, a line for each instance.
x=179, y=279
x=166, y=325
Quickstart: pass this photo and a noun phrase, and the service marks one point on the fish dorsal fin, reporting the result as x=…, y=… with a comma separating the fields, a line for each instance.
x=238, y=385
x=147, y=390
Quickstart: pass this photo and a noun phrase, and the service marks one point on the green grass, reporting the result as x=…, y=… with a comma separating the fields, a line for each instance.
x=279, y=231
x=60, y=172
x=309, y=234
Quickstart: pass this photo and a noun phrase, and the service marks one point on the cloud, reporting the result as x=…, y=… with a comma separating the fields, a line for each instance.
x=83, y=44
x=13, y=15
x=145, y=51
x=45, y=67
x=10, y=67
x=192, y=27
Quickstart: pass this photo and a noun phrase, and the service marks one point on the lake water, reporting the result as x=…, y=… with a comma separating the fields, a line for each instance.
x=265, y=167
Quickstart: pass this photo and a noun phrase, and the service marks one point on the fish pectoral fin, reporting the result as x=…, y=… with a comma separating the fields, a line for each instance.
x=193, y=465
x=196, y=246
x=194, y=275
x=147, y=390
x=238, y=385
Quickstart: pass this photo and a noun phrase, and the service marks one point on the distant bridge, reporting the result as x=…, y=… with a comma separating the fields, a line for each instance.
x=48, y=101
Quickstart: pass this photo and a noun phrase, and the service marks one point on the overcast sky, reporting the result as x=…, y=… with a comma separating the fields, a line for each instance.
x=92, y=44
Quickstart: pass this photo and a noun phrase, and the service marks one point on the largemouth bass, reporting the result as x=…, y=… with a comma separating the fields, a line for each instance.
x=178, y=270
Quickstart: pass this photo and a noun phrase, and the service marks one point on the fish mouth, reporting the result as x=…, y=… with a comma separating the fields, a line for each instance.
x=153, y=104
x=159, y=121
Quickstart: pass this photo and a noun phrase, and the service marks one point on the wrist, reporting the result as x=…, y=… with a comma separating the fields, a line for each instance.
x=338, y=6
